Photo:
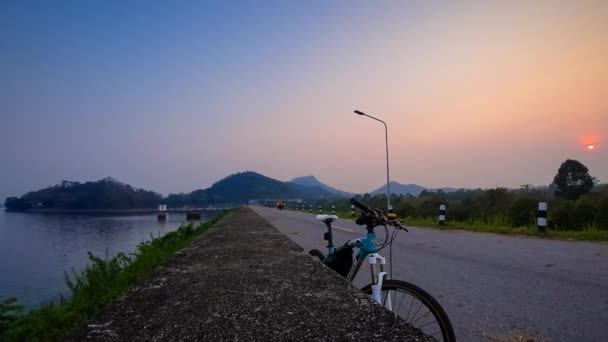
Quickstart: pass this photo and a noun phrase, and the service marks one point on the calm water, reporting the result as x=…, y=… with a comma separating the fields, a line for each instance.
x=36, y=249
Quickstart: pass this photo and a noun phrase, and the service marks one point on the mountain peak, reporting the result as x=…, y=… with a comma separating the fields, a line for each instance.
x=110, y=180
x=400, y=189
x=66, y=184
x=312, y=181
x=306, y=179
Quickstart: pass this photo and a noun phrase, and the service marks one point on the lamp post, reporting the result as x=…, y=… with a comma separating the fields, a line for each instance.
x=388, y=185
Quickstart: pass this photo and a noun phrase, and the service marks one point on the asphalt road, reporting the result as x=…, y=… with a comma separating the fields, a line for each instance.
x=493, y=287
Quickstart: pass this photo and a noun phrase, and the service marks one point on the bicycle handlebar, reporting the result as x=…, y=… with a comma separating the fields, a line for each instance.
x=374, y=217
x=360, y=205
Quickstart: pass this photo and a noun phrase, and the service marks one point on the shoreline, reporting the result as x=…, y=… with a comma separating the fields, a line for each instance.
x=106, y=211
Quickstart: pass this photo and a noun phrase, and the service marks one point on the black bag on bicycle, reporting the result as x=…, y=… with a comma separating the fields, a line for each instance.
x=341, y=261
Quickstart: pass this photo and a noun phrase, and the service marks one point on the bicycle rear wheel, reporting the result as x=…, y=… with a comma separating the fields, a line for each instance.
x=416, y=307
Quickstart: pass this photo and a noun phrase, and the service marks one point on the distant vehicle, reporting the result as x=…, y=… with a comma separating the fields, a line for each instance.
x=280, y=204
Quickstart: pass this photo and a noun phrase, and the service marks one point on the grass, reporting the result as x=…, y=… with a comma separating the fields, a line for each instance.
x=102, y=281
x=499, y=225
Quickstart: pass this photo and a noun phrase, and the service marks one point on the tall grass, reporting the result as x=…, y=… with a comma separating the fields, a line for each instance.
x=98, y=284
x=499, y=224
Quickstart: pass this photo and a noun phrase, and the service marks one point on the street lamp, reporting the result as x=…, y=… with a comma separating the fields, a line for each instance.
x=388, y=184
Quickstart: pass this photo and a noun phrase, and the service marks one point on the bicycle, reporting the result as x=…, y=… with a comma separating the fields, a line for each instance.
x=384, y=291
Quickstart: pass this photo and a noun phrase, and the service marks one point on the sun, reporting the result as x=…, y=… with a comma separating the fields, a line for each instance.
x=591, y=147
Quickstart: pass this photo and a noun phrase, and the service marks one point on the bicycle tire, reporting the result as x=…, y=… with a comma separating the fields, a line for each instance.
x=317, y=253
x=426, y=300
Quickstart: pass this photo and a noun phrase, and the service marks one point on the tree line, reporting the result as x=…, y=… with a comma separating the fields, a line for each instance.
x=574, y=198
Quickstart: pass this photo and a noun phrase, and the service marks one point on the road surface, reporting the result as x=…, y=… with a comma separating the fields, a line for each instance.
x=493, y=287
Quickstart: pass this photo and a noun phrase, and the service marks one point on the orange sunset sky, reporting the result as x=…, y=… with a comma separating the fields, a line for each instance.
x=475, y=93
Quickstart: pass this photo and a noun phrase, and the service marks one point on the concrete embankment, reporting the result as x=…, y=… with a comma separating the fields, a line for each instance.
x=244, y=281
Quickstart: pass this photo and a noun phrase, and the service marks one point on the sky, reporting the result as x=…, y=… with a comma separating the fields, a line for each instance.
x=173, y=96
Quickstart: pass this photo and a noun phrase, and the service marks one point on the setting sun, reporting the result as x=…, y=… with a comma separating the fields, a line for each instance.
x=591, y=147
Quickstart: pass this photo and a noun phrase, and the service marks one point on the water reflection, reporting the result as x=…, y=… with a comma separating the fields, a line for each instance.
x=36, y=249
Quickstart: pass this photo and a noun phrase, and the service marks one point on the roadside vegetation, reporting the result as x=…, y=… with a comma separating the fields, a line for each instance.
x=577, y=207
x=98, y=284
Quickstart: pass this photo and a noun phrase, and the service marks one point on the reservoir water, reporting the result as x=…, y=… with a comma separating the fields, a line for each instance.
x=36, y=249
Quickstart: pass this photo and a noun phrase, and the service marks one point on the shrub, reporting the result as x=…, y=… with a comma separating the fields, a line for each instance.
x=405, y=209
x=583, y=214
x=522, y=212
x=495, y=202
x=601, y=217
x=560, y=214
x=9, y=312
x=430, y=207
x=458, y=211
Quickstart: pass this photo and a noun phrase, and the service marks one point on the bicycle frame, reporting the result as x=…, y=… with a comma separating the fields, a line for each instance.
x=367, y=250
x=383, y=291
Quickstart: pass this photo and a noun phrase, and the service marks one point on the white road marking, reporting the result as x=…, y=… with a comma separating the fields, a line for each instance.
x=344, y=229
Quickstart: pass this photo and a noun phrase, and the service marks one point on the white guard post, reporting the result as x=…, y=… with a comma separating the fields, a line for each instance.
x=374, y=259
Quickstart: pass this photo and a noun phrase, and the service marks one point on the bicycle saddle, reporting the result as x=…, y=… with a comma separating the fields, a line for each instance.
x=327, y=217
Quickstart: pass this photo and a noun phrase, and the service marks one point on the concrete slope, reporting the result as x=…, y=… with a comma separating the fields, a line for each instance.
x=244, y=281
x=490, y=285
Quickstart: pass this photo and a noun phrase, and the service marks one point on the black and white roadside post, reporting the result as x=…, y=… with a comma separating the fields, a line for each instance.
x=541, y=219
x=333, y=210
x=311, y=208
x=352, y=210
x=442, y=214
x=320, y=209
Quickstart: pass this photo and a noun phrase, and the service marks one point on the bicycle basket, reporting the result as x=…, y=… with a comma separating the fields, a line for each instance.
x=341, y=261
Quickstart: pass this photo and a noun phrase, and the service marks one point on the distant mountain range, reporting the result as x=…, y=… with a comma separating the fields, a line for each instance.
x=404, y=189
x=241, y=187
x=235, y=189
x=312, y=181
x=396, y=187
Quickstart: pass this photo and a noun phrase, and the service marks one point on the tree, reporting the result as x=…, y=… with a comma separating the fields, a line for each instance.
x=572, y=180
x=17, y=204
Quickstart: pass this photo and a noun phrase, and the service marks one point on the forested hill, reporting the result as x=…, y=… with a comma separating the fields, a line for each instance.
x=109, y=193
x=242, y=187
x=104, y=194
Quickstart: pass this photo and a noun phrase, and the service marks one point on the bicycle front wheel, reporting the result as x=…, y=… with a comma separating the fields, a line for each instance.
x=416, y=307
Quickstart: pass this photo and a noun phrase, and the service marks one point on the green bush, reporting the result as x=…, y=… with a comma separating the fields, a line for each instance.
x=405, y=209
x=495, y=202
x=583, y=214
x=458, y=211
x=430, y=207
x=601, y=217
x=522, y=212
x=560, y=215
x=9, y=312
